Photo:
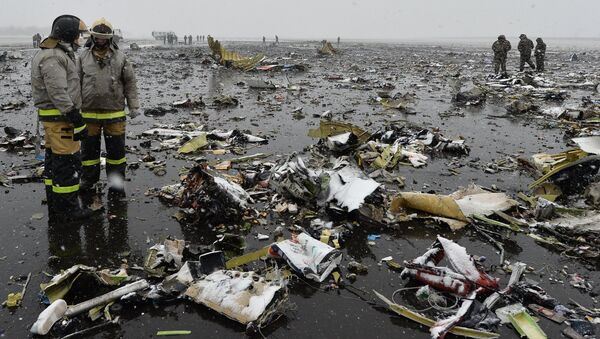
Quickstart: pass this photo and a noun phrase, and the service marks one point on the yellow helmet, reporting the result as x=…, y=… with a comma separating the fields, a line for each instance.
x=101, y=28
x=82, y=27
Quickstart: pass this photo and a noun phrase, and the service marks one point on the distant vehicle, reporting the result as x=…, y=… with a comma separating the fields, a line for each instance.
x=161, y=35
x=117, y=35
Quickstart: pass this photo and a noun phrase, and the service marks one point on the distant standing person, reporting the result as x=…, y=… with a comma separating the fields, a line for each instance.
x=37, y=38
x=276, y=40
x=338, y=42
x=264, y=40
x=540, y=54
x=197, y=38
x=525, y=47
x=164, y=39
x=185, y=39
x=500, y=48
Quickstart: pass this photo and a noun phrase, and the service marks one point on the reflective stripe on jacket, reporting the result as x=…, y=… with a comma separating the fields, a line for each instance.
x=55, y=85
x=106, y=86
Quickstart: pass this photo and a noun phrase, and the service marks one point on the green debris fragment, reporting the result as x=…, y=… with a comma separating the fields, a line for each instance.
x=389, y=157
x=493, y=222
x=60, y=284
x=194, y=144
x=526, y=326
x=13, y=299
x=423, y=320
x=247, y=258
x=174, y=332
x=331, y=128
x=394, y=265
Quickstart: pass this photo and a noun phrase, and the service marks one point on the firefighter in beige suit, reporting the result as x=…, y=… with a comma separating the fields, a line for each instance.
x=107, y=84
x=56, y=92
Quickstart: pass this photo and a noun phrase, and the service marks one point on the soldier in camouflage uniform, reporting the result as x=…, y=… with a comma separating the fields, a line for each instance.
x=540, y=54
x=525, y=47
x=500, y=48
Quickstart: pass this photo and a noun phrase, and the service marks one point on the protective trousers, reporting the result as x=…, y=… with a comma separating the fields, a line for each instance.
x=500, y=63
x=525, y=58
x=539, y=63
x=114, y=140
x=62, y=166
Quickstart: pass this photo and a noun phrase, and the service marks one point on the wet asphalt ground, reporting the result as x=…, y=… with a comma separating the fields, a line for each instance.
x=124, y=232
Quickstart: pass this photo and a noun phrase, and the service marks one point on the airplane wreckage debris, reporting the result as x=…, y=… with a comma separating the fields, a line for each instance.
x=463, y=295
x=229, y=58
x=305, y=208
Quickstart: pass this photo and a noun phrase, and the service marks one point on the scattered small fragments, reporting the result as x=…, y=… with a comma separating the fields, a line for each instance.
x=276, y=212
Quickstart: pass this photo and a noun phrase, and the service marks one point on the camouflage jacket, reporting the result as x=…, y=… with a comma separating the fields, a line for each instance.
x=501, y=47
x=525, y=46
x=540, y=49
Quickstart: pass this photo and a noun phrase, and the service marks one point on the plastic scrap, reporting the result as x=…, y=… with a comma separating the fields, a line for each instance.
x=583, y=327
x=526, y=326
x=49, y=317
x=453, y=209
x=589, y=144
x=173, y=332
x=308, y=256
x=106, y=298
x=171, y=133
x=208, y=197
x=242, y=296
x=346, y=184
x=465, y=276
x=349, y=187
x=332, y=128
x=164, y=257
x=550, y=314
x=15, y=299
x=423, y=320
x=60, y=284
x=194, y=144
x=504, y=312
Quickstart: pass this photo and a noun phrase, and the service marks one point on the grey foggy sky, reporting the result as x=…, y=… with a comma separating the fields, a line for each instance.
x=350, y=19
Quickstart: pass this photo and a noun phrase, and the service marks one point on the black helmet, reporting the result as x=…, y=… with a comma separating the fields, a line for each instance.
x=501, y=37
x=67, y=28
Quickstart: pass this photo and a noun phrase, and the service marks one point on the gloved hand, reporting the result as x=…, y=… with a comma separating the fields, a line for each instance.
x=79, y=127
x=133, y=113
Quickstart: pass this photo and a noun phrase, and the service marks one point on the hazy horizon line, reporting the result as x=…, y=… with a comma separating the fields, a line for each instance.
x=283, y=38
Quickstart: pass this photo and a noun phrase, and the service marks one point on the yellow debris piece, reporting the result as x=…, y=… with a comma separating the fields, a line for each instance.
x=230, y=58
